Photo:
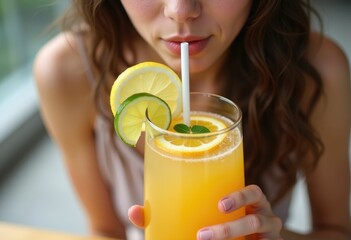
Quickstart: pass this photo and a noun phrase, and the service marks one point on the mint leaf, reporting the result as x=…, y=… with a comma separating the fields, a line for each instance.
x=199, y=129
x=181, y=128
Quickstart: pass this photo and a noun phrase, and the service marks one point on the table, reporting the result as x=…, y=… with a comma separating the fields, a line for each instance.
x=9, y=231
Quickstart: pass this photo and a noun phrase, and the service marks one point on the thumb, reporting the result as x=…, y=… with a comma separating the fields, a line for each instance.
x=136, y=215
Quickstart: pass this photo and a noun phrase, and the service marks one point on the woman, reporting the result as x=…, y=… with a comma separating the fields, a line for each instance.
x=292, y=85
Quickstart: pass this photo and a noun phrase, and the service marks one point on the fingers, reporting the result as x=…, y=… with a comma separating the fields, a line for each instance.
x=269, y=228
x=259, y=220
x=251, y=196
x=136, y=215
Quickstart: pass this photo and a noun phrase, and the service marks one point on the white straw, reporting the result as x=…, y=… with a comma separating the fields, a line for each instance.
x=185, y=82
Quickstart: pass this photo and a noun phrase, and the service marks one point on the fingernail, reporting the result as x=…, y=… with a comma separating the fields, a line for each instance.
x=205, y=234
x=227, y=204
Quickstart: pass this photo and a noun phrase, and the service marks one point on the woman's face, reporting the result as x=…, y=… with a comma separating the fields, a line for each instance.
x=209, y=26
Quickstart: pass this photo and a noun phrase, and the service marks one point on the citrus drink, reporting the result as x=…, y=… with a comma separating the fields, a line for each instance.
x=187, y=174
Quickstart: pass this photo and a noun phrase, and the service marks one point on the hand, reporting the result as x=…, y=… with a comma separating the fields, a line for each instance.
x=259, y=221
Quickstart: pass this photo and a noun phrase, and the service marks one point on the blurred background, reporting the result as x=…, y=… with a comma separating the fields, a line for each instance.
x=34, y=187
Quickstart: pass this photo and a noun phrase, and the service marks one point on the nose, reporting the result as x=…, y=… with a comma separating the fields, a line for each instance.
x=182, y=10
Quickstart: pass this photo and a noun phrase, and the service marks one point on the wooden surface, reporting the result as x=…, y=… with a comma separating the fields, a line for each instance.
x=10, y=231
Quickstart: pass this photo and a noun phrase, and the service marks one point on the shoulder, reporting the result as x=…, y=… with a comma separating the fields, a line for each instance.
x=58, y=65
x=329, y=60
x=65, y=93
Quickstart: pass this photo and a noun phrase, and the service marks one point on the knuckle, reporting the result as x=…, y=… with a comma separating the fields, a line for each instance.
x=278, y=223
x=260, y=197
x=254, y=223
x=257, y=191
x=226, y=231
x=222, y=231
x=240, y=198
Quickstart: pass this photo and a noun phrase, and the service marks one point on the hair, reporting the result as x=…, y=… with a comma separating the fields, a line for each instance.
x=267, y=74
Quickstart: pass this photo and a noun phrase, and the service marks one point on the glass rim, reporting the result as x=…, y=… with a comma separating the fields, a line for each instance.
x=230, y=127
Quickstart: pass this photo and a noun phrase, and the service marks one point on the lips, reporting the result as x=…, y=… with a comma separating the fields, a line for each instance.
x=196, y=44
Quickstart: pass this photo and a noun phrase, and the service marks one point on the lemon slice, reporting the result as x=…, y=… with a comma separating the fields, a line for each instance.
x=149, y=77
x=130, y=116
x=195, y=144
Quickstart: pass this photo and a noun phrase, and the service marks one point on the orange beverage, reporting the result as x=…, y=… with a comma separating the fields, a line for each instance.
x=187, y=174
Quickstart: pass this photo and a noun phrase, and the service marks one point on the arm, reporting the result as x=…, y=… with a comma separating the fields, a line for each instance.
x=68, y=112
x=329, y=185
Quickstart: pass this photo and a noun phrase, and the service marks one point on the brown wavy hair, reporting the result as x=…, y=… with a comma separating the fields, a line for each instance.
x=267, y=74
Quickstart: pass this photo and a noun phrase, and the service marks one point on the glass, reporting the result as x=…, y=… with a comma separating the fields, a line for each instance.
x=182, y=188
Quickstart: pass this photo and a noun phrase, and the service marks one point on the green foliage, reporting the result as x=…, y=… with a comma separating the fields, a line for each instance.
x=182, y=128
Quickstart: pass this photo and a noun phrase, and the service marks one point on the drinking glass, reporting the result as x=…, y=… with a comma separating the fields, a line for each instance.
x=186, y=174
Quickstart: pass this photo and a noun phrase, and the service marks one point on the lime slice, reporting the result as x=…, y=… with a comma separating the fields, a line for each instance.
x=149, y=77
x=130, y=116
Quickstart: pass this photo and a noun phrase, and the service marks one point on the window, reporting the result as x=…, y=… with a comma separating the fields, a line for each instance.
x=23, y=25
x=21, y=30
